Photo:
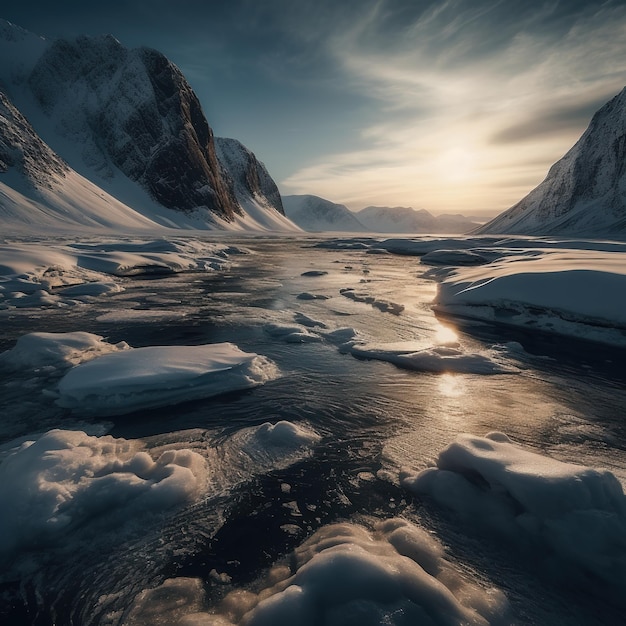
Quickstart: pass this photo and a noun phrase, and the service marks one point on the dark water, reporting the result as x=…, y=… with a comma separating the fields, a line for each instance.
x=374, y=419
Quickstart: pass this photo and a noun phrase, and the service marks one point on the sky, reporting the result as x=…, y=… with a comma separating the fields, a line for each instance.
x=454, y=106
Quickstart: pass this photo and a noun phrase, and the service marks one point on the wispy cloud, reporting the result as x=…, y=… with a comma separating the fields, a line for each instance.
x=476, y=100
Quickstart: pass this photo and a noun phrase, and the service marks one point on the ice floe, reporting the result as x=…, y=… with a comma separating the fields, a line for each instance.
x=395, y=573
x=291, y=333
x=573, y=516
x=37, y=274
x=443, y=358
x=57, y=350
x=56, y=483
x=126, y=381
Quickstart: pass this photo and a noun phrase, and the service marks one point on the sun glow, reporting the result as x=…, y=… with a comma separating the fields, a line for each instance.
x=455, y=165
x=445, y=336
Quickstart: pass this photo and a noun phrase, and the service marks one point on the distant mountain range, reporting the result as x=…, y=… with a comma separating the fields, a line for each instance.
x=584, y=193
x=90, y=129
x=316, y=214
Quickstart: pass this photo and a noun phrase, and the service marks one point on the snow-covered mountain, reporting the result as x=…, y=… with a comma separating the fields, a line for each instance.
x=584, y=193
x=254, y=189
x=316, y=214
x=129, y=122
x=383, y=219
x=39, y=190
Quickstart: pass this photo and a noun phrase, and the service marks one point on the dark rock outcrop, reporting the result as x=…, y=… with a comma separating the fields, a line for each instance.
x=249, y=177
x=134, y=110
x=23, y=150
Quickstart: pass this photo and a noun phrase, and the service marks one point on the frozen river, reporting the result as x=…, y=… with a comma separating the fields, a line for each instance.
x=368, y=417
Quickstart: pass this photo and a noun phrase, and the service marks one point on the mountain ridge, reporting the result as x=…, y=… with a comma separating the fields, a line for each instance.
x=584, y=192
x=128, y=121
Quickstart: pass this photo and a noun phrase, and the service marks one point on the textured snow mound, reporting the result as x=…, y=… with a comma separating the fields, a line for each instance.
x=344, y=574
x=574, y=515
x=64, y=479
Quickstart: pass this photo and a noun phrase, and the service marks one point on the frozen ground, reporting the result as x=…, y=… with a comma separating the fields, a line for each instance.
x=341, y=474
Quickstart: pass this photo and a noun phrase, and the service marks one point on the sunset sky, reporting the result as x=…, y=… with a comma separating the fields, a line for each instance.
x=451, y=105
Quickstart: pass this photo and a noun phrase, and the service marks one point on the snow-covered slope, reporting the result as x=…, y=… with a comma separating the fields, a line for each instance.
x=128, y=121
x=38, y=190
x=253, y=187
x=383, y=219
x=585, y=192
x=313, y=213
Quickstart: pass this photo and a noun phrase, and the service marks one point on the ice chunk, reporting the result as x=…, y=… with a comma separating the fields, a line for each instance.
x=65, y=478
x=576, y=515
x=312, y=273
x=291, y=333
x=411, y=355
x=141, y=378
x=36, y=350
x=345, y=574
x=283, y=436
x=305, y=295
x=309, y=322
x=385, y=306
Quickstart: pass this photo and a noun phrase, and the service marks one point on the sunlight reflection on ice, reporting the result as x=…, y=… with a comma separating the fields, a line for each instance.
x=446, y=336
x=451, y=386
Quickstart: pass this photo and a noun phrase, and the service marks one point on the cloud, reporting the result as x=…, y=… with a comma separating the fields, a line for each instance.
x=467, y=92
x=555, y=120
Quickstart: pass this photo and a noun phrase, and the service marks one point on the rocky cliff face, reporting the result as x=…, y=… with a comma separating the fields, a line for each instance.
x=22, y=151
x=247, y=174
x=585, y=192
x=133, y=110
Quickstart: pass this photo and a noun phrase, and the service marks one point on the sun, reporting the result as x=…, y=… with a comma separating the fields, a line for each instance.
x=455, y=164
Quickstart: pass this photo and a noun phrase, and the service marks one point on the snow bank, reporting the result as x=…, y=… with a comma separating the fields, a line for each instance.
x=58, y=350
x=413, y=356
x=574, y=516
x=65, y=479
x=36, y=274
x=344, y=574
x=122, y=382
x=575, y=292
